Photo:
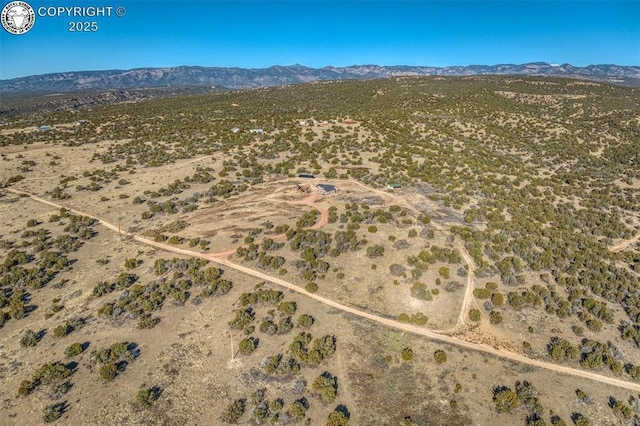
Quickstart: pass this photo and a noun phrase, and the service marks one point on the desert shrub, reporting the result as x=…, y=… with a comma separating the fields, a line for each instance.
x=397, y=270
x=419, y=319
x=175, y=240
x=372, y=229
x=440, y=356
x=53, y=412
x=579, y=331
x=108, y=371
x=62, y=330
x=234, y=411
x=311, y=287
x=505, y=399
x=444, y=272
x=482, y=293
x=305, y=320
x=326, y=385
x=404, y=318
x=407, y=354
x=248, y=345
x=557, y=421
x=298, y=409
x=243, y=317
x=287, y=307
x=114, y=359
x=337, y=418
x=146, y=397
x=497, y=299
x=131, y=263
x=474, y=315
x=147, y=321
x=495, y=317
x=375, y=250
x=47, y=373
x=29, y=338
x=74, y=349
x=419, y=291
x=580, y=419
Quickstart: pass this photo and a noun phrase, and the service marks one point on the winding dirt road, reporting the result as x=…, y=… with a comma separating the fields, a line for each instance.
x=217, y=258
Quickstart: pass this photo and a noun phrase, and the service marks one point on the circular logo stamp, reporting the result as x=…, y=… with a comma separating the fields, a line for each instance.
x=17, y=17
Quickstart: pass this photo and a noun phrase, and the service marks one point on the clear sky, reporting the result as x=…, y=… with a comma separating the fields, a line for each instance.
x=257, y=34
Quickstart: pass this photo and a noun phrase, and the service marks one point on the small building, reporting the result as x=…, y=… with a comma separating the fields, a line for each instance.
x=325, y=189
x=394, y=186
x=43, y=128
x=258, y=131
x=306, y=176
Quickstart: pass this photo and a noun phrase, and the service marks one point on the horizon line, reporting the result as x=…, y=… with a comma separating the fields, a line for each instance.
x=314, y=68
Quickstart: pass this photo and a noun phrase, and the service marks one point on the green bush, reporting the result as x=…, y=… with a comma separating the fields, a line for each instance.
x=147, y=322
x=495, y=317
x=74, y=349
x=337, y=418
x=62, y=330
x=287, y=307
x=234, y=411
x=248, y=345
x=491, y=285
x=444, y=272
x=108, y=371
x=474, y=315
x=407, y=354
x=131, y=263
x=482, y=293
x=305, y=320
x=505, y=399
x=419, y=319
x=497, y=299
x=175, y=240
x=440, y=356
x=326, y=385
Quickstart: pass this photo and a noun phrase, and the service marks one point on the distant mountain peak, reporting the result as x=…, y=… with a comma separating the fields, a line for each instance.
x=241, y=78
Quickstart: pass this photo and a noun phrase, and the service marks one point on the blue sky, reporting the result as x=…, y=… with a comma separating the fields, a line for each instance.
x=257, y=34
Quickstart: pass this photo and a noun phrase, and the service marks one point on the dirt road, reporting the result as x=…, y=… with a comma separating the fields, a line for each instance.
x=217, y=258
x=624, y=244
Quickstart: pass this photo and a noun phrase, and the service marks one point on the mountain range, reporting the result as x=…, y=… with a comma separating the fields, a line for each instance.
x=243, y=78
